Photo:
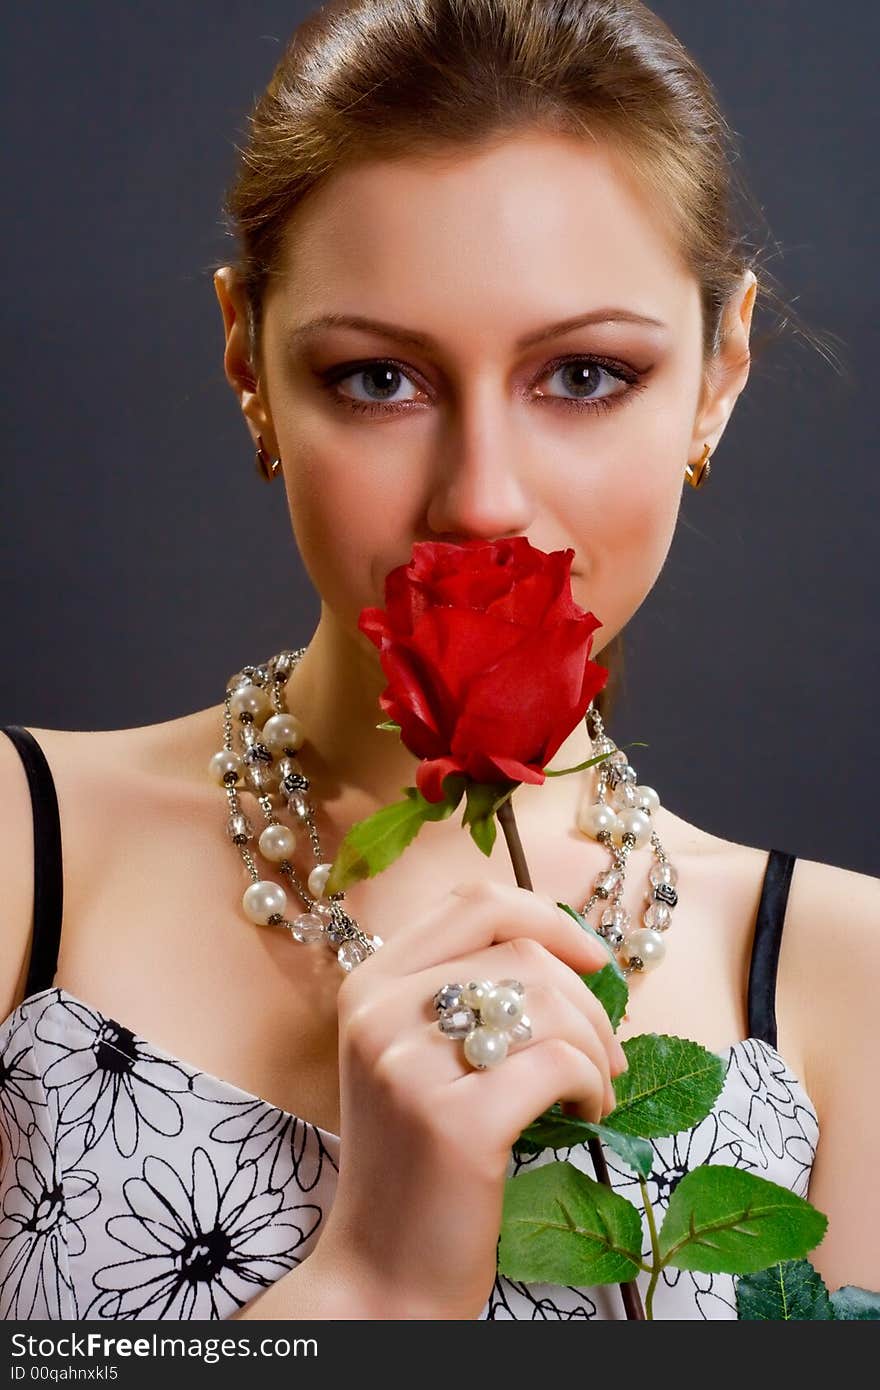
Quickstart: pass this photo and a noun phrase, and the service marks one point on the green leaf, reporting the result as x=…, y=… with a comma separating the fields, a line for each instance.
x=556, y=1130
x=853, y=1304
x=722, y=1220
x=791, y=1290
x=483, y=834
x=608, y=984
x=561, y=1227
x=374, y=843
x=670, y=1084
x=483, y=800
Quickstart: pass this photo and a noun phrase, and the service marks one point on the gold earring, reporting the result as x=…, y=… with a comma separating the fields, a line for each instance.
x=266, y=467
x=697, y=473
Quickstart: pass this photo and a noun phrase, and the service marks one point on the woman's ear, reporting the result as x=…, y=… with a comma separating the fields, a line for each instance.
x=237, y=364
x=728, y=371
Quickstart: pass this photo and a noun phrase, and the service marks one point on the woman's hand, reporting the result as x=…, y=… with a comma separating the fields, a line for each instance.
x=427, y=1139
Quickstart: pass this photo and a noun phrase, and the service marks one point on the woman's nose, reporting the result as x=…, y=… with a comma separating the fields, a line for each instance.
x=481, y=482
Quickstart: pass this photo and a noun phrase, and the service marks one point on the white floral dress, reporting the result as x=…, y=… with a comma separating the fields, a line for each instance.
x=134, y=1186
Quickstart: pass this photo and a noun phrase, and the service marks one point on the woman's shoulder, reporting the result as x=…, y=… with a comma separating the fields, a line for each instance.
x=109, y=784
x=175, y=748
x=830, y=966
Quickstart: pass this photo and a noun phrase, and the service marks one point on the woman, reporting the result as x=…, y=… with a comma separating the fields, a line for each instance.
x=488, y=287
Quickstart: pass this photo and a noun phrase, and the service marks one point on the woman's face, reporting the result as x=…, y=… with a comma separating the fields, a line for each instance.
x=475, y=411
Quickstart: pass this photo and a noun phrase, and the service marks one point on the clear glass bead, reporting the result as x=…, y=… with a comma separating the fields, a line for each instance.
x=449, y=997
x=457, y=1023
x=625, y=796
x=239, y=828
x=614, y=916
x=658, y=916
x=307, y=927
x=663, y=873
x=258, y=778
x=298, y=806
x=607, y=882
x=351, y=953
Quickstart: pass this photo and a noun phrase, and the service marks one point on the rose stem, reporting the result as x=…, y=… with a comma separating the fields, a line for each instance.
x=629, y=1292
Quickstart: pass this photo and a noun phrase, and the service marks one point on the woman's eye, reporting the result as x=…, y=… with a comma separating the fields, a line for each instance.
x=376, y=383
x=589, y=382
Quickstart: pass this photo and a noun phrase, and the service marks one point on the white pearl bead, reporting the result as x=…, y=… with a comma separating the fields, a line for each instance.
x=262, y=900
x=223, y=762
x=648, y=800
x=476, y=992
x=502, y=1008
x=277, y=842
x=596, y=816
x=485, y=1047
x=318, y=879
x=648, y=945
x=282, y=732
x=252, y=700
x=633, y=822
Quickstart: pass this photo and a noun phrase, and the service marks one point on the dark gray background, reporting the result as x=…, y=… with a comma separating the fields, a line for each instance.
x=139, y=550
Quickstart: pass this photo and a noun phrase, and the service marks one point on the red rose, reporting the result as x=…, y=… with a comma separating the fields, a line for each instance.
x=487, y=657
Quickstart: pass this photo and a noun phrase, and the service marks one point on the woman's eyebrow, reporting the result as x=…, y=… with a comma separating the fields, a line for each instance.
x=297, y=335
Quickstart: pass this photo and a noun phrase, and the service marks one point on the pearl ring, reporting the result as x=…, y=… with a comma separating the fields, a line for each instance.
x=488, y=1017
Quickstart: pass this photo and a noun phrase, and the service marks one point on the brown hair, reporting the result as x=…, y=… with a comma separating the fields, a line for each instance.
x=403, y=78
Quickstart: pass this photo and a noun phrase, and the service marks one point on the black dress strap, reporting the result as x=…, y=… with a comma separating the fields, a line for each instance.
x=48, y=877
x=765, y=946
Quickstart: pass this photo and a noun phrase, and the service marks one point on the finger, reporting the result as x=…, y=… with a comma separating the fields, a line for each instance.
x=500, y=1103
x=477, y=914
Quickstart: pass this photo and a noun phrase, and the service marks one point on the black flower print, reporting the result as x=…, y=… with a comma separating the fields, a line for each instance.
x=776, y=1123
x=200, y=1251
x=21, y=1093
x=511, y=1300
x=106, y=1076
x=285, y=1146
x=41, y=1232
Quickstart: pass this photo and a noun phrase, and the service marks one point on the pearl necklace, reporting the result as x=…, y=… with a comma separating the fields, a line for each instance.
x=266, y=765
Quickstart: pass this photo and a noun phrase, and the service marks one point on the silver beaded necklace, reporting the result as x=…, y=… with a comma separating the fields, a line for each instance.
x=265, y=764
